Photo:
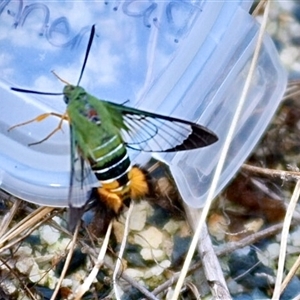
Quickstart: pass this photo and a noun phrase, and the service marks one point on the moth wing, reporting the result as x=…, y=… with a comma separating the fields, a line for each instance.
x=150, y=132
x=82, y=181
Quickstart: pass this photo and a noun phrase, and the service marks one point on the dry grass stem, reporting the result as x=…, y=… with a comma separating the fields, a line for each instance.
x=67, y=262
x=121, y=252
x=25, y=226
x=82, y=289
x=223, y=154
x=284, y=237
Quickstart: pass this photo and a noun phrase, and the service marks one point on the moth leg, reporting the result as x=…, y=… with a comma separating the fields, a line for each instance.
x=41, y=118
x=38, y=119
x=59, y=126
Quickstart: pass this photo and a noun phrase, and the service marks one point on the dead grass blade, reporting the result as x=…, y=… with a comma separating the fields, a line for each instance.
x=284, y=237
x=222, y=156
x=67, y=262
x=121, y=252
x=9, y=217
x=82, y=289
x=24, y=227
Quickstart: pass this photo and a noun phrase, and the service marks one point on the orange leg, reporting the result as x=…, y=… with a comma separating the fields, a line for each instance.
x=41, y=118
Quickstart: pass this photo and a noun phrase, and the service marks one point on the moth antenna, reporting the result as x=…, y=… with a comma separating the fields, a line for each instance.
x=59, y=78
x=35, y=92
x=87, y=52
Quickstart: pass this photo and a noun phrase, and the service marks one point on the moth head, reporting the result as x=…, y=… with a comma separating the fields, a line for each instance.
x=72, y=92
x=68, y=92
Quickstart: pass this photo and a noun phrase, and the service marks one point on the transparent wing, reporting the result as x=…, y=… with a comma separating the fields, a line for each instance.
x=82, y=181
x=157, y=133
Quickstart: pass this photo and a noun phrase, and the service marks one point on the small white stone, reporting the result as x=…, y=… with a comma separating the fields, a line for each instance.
x=63, y=244
x=152, y=254
x=289, y=55
x=42, y=259
x=273, y=251
x=8, y=287
x=24, y=251
x=24, y=265
x=23, y=297
x=58, y=220
x=138, y=240
x=138, y=219
x=165, y=264
x=59, y=247
x=171, y=227
x=158, y=269
x=43, y=277
x=292, y=250
x=6, y=252
x=134, y=273
x=234, y=287
x=49, y=235
x=150, y=237
x=51, y=279
x=294, y=236
x=35, y=273
x=67, y=282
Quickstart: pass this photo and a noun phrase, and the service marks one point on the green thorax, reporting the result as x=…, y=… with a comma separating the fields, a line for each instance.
x=95, y=124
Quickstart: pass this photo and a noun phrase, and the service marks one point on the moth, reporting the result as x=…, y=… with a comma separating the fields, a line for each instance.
x=101, y=132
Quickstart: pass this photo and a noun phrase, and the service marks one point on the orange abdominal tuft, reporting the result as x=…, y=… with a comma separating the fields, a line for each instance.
x=139, y=186
x=112, y=200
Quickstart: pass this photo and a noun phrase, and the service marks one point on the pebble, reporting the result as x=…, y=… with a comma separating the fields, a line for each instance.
x=49, y=235
x=171, y=227
x=152, y=254
x=50, y=278
x=158, y=269
x=24, y=297
x=150, y=237
x=62, y=245
x=288, y=56
x=42, y=259
x=24, y=265
x=292, y=249
x=140, y=212
x=273, y=251
x=35, y=273
x=294, y=237
x=290, y=261
x=67, y=282
x=134, y=273
x=24, y=251
x=234, y=287
x=8, y=287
